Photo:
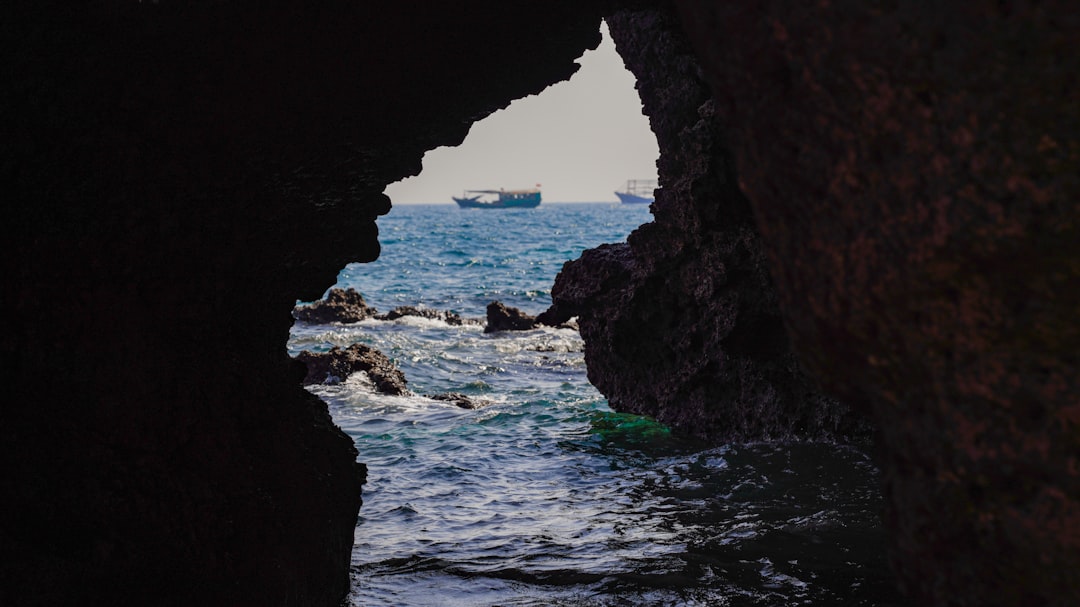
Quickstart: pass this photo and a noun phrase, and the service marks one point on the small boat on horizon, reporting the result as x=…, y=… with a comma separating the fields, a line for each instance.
x=504, y=199
x=637, y=191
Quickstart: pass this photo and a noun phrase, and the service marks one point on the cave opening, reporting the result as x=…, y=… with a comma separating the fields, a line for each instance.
x=178, y=174
x=580, y=140
x=497, y=472
x=493, y=448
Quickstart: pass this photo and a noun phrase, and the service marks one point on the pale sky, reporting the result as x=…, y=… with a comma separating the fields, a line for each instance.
x=580, y=140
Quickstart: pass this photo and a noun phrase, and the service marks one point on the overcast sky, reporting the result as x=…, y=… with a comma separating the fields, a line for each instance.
x=580, y=139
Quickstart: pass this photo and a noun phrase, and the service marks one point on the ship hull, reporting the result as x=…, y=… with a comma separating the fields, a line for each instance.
x=627, y=198
x=517, y=201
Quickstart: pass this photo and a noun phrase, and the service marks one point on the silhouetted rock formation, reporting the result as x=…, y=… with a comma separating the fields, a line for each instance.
x=339, y=363
x=176, y=176
x=913, y=173
x=339, y=305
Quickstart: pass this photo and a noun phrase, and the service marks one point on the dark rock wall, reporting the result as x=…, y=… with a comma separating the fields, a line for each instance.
x=682, y=322
x=175, y=177
x=914, y=171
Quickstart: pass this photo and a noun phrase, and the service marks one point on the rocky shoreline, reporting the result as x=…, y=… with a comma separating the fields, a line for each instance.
x=346, y=306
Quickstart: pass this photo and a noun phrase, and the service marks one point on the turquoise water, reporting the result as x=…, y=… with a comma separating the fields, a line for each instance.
x=543, y=495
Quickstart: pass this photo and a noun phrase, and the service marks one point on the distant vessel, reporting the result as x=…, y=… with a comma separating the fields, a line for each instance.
x=637, y=191
x=504, y=199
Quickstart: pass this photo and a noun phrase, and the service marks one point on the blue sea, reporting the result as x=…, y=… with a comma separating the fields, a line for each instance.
x=543, y=496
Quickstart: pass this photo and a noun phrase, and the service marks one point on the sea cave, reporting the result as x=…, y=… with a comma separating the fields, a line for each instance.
x=866, y=232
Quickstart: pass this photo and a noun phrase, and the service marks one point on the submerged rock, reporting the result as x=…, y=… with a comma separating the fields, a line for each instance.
x=339, y=305
x=338, y=364
x=457, y=398
x=450, y=318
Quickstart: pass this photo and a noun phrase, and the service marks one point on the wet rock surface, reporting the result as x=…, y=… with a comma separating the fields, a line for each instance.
x=338, y=364
x=501, y=317
x=450, y=318
x=459, y=400
x=339, y=305
x=348, y=306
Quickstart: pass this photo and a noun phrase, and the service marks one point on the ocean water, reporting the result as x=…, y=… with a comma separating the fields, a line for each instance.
x=543, y=495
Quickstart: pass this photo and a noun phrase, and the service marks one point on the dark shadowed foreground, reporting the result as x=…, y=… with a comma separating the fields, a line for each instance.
x=177, y=177
x=911, y=176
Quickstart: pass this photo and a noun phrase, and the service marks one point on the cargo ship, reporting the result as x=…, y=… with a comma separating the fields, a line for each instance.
x=499, y=199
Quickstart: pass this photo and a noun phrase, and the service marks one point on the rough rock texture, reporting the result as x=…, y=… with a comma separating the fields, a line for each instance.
x=914, y=170
x=339, y=305
x=176, y=176
x=501, y=317
x=450, y=318
x=682, y=323
x=348, y=306
x=339, y=363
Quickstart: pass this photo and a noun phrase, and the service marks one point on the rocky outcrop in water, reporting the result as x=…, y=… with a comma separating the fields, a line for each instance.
x=450, y=318
x=348, y=306
x=338, y=364
x=339, y=305
x=501, y=317
x=682, y=322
